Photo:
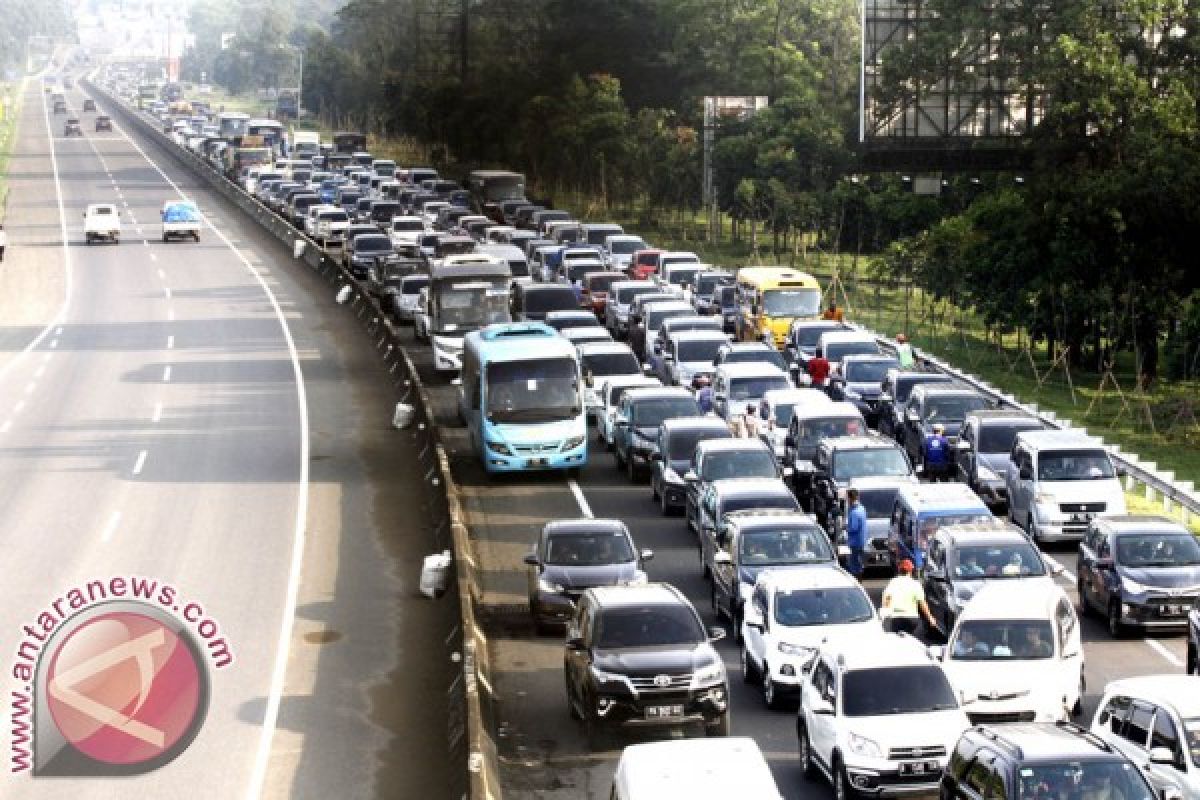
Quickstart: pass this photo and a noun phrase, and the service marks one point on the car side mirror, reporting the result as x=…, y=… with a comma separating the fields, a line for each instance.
x=1161, y=755
x=690, y=476
x=647, y=555
x=716, y=633
x=532, y=560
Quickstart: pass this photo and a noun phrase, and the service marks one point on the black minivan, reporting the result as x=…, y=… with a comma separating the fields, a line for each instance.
x=531, y=302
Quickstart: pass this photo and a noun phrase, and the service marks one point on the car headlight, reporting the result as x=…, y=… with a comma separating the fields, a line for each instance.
x=549, y=587
x=500, y=447
x=851, y=394
x=639, y=579
x=987, y=475
x=604, y=676
x=863, y=746
x=789, y=649
x=1044, y=499
x=573, y=442
x=707, y=676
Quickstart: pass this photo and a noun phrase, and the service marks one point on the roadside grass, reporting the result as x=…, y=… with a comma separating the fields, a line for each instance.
x=8, y=134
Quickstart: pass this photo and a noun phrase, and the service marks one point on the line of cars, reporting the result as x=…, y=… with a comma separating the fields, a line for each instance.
x=879, y=713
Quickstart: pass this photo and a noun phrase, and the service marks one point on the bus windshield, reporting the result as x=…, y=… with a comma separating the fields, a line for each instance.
x=469, y=305
x=544, y=390
x=792, y=302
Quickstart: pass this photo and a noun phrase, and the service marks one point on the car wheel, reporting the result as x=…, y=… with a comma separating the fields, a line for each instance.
x=807, y=765
x=1085, y=608
x=571, y=706
x=721, y=727
x=1191, y=660
x=769, y=694
x=654, y=495
x=1116, y=628
x=749, y=674
x=735, y=621
x=842, y=790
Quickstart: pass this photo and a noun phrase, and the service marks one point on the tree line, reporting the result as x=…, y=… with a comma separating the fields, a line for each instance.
x=1087, y=250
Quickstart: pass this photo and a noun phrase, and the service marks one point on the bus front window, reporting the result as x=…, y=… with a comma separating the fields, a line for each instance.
x=466, y=307
x=792, y=302
x=533, y=391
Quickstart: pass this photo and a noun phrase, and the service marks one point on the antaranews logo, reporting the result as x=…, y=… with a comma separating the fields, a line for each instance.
x=113, y=679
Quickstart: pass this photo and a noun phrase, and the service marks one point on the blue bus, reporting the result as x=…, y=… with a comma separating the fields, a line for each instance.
x=521, y=397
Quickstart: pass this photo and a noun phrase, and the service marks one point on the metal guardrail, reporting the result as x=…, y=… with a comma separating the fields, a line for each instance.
x=1158, y=484
x=474, y=723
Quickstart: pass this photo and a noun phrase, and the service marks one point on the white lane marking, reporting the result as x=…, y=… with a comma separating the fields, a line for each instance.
x=5, y=427
x=54, y=344
x=279, y=670
x=157, y=415
x=1066, y=573
x=155, y=258
x=40, y=371
x=19, y=407
x=145, y=243
x=171, y=314
x=166, y=374
x=29, y=387
x=167, y=292
x=111, y=527
x=1161, y=649
x=170, y=342
x=141, y=462
x=576, y=490
x=162, y=275
x=61, y=314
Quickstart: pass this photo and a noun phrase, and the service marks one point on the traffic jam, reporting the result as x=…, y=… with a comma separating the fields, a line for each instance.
x=798, y=453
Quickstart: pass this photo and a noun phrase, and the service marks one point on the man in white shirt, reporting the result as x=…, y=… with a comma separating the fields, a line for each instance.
x=3, y=241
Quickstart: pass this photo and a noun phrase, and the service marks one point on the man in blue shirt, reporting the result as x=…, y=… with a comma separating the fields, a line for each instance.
x=856, y=532
x=704, y=393
x=937, y=454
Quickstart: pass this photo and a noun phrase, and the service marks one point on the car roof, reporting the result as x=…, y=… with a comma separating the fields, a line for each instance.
x=696, y=423
x=617, y=381
x=583, y=525
x=839, y=408
x=733, y=445
x=804, y=394
x=750, y=369
x=967, y=533
x=587, y=331
x=1034, y=742
x=699, y=335
x=943, y=390
x=943, y=496
x=1055, y=439
x=867, y=358
x=878, y=649
x=739, y=346
x=821, y=575
x=647, y=594
x=861, y=441
x=570, y=313
x=751, y=518
x=667, y=305
x=995, y=600
x=1139, y=523
x=831, y=337
x=986, y=415
x=705, y=767
x=603, y=348
x=630, y=284
x=729, y=487
x=657, y=392
x=870, y=482
x=1174, y=691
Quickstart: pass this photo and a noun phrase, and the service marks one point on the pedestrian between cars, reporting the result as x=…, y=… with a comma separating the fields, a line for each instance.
x=3, y=241
x=833, y=312
x=904, y=352
x=937, y=454
x=747, y=425
x=856, y=532
x=704, y=393
x=904, y=603
x=818, y=368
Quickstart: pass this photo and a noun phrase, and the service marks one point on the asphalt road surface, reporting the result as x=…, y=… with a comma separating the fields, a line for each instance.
x=544, y=751
x=190, y=413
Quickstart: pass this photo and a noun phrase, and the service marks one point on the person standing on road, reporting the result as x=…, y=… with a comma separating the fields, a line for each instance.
x=936, y=454
x=704, y=393
x=818, y=369
x=904, y=603
x=3, y=241
x=904, y=352
x=833, y=312
x=745, y=426
x=856, y=532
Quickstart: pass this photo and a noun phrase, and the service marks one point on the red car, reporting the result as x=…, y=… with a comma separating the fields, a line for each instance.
x=594, y=294
x=644, y=264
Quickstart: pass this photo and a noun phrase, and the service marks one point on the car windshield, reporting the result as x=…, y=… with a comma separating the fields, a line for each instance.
x=470, y=305
x=842, y=605
x=707, y=284
x=878, y=503
x=401, y=225
x=1165, y=549
x=544, y=390
x=1108, y=778
x=624, y=247
x=601, y=283
x=835, y=352
x=811, y=431
x=1003, y=640
x=896, y=690
x=1016, y=560
x=373, y=244
x=905, y=386
x=682, y=444
x=648, y=626
x=756, y=356
x=999, y=438
x=654, y=319
x=952, y=409
x=552, y=298
x=589, y=549
x=792, y=302
x=1074, y=465
x=604, y=364
x=705, y=350
x=577, y=270
x=782, y=414
x=651, y=413
x=753, y=464
x=744, y=502
x=680, y=277
x=876, y=461
x=334, y=216
x=783, y=546
x=725, y=297
x=867, y=371
x=752, y=388
x=414, y=285
x=627, y=293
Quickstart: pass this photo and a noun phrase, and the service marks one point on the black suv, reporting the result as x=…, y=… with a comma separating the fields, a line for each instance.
x=641, y=412
x=640, y=656
x=841, y=460
x=896, y=388
x=1048, y=760
x=1138, y=570
x=719, y=459
x=931, y=405
x=677, y=440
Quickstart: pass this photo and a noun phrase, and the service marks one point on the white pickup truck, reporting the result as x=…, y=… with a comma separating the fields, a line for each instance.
x=181, y=220
x=102, y=222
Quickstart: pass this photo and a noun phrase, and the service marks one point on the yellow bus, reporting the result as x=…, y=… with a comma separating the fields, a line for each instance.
x=770, y=298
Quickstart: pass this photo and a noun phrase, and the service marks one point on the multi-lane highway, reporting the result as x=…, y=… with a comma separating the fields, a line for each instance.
x=190, y=413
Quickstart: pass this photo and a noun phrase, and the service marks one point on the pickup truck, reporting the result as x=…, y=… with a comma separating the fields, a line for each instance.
x=102, y=222
x=180, y=220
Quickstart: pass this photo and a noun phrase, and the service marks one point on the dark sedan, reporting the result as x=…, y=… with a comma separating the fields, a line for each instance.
x=677, y=440
x=572, y=555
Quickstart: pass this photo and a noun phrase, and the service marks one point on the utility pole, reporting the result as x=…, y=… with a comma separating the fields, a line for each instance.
x=464, y=32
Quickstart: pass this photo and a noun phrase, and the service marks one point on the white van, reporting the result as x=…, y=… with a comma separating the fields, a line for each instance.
x=698, y=769
x=1057, y=481
x=1016, y=656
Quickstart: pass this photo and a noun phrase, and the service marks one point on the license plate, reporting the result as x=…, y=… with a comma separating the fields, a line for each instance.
x=1170, y=610
x=918, y=767
x=664, y=712
x=535, y=462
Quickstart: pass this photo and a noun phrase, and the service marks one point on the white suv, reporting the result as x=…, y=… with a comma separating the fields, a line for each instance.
x=789, y=614
x=877, y=717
